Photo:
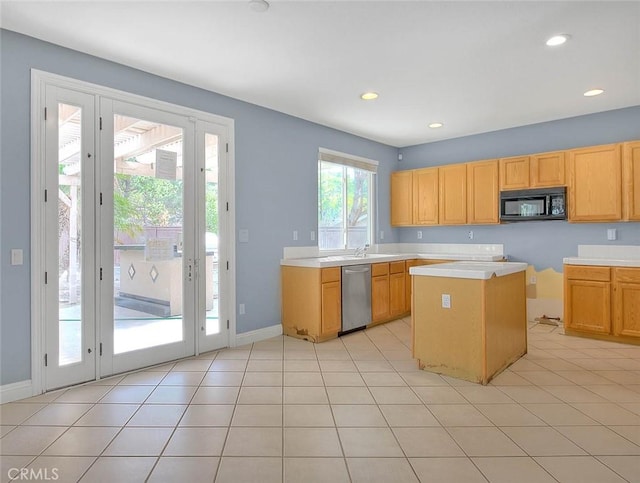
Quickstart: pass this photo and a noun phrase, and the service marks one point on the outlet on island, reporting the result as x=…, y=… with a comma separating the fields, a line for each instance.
x=446, y=301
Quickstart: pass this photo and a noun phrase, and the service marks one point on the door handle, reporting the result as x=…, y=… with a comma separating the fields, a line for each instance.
x=89, y=350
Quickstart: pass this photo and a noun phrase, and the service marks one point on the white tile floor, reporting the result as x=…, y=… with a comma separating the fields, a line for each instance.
x=352, y=409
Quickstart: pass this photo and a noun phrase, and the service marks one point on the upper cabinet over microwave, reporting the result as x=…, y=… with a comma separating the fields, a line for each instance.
x=533, y=204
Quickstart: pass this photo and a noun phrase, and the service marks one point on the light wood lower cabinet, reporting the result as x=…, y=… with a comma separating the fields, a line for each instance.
x=603, y=302
x=388, y=291
x=397, y=293
x=626, y=303
x=379, y=292
x=311, y=302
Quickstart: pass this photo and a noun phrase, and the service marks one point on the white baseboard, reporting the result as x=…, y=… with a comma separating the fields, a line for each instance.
x=258, y=335
x=15, y=391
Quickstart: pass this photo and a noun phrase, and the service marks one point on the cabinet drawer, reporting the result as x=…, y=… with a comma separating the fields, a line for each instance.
x=379, y=269
x=396, y=267
x=627, y=275
x=330, y=274
x=584, y=272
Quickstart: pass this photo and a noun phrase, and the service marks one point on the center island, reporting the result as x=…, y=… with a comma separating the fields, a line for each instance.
x=469, y=319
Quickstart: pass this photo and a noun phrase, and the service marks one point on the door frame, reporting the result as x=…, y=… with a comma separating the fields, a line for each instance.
x=39, y=82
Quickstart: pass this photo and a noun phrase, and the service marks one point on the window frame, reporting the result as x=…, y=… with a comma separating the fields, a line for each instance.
x=356, y=162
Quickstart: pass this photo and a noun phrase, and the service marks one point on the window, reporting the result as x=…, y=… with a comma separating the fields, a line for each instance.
x=345, y=200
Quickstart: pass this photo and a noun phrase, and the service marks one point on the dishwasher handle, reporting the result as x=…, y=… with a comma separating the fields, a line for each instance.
x=362, y=270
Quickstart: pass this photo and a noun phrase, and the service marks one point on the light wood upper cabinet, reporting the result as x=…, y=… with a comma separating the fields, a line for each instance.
x=453, y=194
x=547, y=169
x=595, y=183
x=482, y=192
x=402, y=198
x=631, y=180
x=514, y=173
x=425, y=196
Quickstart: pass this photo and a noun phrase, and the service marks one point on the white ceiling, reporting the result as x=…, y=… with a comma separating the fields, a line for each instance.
x=475, y=66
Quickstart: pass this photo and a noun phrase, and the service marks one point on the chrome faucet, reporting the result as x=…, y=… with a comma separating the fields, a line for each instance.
x=361, y=252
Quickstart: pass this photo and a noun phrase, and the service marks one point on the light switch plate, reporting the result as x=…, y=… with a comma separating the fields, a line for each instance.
x=16, y=256
x=612, y=234
x=243, y=235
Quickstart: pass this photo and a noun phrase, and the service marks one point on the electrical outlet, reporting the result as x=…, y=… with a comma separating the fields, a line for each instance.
x=470, y=234
x=612, y=234
x=243, y=235
x=381, y=235
x=312, y=235
x=533, y=280
x=446, y=301
x=295, y=235
x=419, y=234
x=242, y=309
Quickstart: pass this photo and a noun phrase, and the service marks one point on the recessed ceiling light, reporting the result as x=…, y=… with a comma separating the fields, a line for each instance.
x=435, y=125
x=369, y=96
x=259, y=5
x=558, y=40
x=593, y=92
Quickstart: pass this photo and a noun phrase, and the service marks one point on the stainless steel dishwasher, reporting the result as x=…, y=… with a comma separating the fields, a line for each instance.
x=356, y=297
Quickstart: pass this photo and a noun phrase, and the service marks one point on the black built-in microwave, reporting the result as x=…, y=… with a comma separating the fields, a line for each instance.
x=533, y=204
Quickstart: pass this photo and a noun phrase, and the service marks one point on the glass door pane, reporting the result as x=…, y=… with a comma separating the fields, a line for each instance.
x=148, y=215
x=69, y=239
x=212, y=253
x=69, y=234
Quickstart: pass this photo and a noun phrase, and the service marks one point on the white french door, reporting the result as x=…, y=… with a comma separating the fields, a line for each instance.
x=69, y=238
x=213, y=220
x=147, y=231
x=134, y=235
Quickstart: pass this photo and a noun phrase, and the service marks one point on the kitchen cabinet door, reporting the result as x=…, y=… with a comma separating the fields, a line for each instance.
x=595, y=183
x=425, y=196
x=587, y=298
x=402, y=198
x=631, y=180
x=547, y=169
x=380, y=298
x=397, y=292
x=626, y=306
x=514, y=173
x=482, y=192
x=453, y=194
x=331, y=298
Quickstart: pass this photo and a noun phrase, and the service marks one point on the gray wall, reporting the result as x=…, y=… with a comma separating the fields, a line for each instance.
x=276, y=182
x=542, y=244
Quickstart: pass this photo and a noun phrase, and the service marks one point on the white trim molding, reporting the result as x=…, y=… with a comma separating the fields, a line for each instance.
x=258, y=335
x=15, y=391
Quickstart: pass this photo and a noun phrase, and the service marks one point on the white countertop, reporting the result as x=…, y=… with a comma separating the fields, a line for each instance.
x=606, y=255
x=608, y=262
x=342, y=260
x=473, y=270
